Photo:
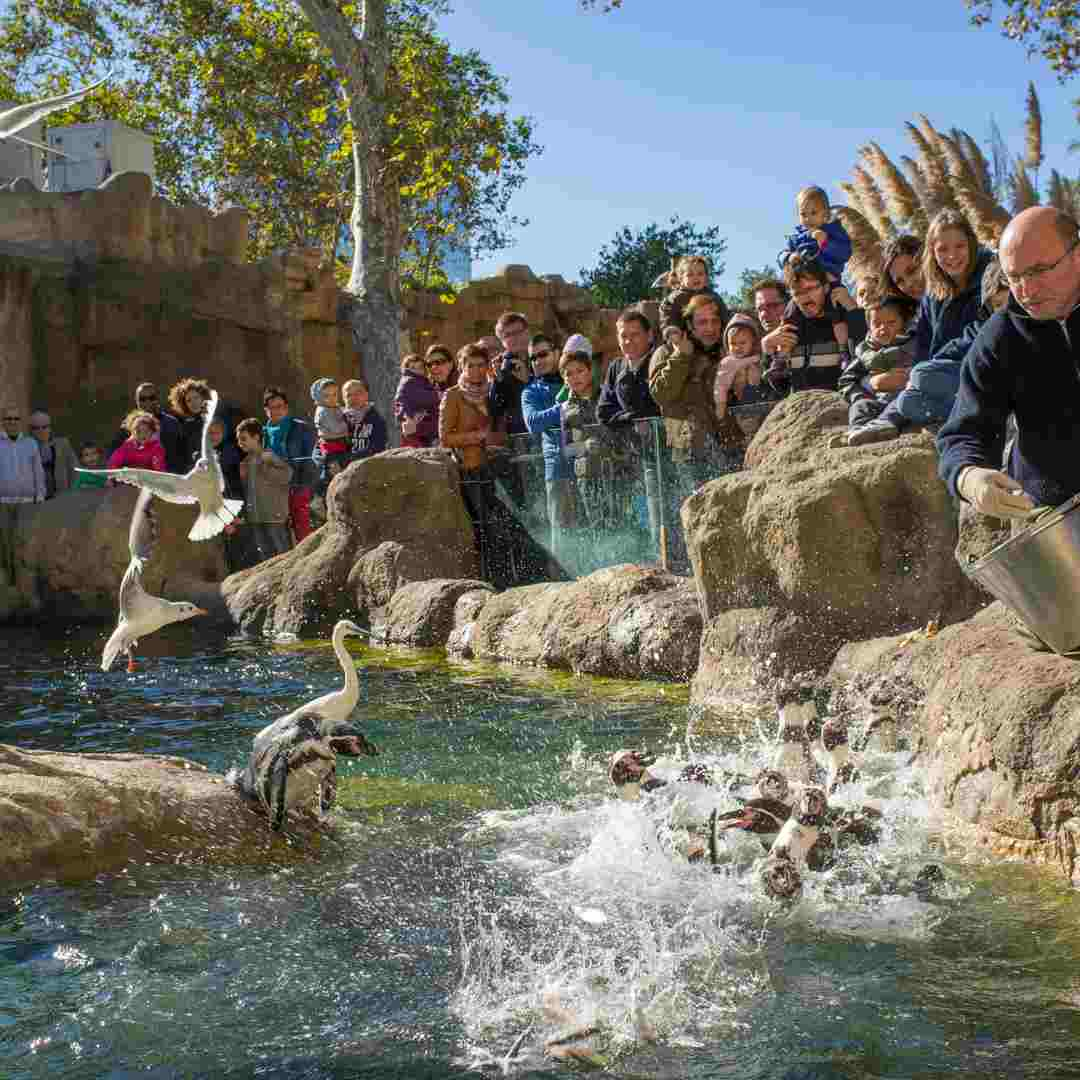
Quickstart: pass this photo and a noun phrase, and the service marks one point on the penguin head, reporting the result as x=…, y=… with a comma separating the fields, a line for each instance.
x=780, y=879
x=773, y=785
x=627, y=771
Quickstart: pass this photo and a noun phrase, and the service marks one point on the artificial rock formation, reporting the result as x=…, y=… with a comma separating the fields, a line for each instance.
x=825, y=545
x=72, y=551
x=997, y=724
x=76, y=815
x=425, y=613
x=625, y=621
x=393, y=518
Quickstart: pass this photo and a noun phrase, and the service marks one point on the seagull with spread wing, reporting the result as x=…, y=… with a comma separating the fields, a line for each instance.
x=141, y=613
x=204, y=484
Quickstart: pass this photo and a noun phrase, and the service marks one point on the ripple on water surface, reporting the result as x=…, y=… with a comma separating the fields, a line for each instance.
x=485, y=894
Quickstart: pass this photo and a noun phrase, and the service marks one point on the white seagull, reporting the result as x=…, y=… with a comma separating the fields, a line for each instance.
x=141, y=613
x=204, y=484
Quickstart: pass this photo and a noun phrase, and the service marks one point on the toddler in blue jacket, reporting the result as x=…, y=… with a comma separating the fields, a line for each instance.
x=817, y=236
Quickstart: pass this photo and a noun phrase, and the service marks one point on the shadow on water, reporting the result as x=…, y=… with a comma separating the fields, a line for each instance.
x=483, y=894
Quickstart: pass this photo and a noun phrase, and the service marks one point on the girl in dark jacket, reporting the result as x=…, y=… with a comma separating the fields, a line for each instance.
x=953, y=267
x=416, y=404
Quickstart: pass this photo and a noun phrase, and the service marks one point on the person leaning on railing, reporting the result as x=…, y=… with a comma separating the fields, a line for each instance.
x=624, y=395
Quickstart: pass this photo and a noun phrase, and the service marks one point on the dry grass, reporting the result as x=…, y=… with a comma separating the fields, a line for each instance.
x=1033, y=157
x=865, y=242
x=905, y=206
x=873, y=203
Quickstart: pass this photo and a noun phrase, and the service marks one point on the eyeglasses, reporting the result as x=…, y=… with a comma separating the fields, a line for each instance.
x=1033, y=273
x=802, y=294
x=438, y=360
x=40, y=427
x=541, y=354
x=147, y=397
x=9, y=418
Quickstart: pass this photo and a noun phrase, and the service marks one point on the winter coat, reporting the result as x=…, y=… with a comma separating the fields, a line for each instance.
x=673, y=308
x=229, y=456
x=683, y=388
x=266, y=488
x=130, y=455
x=542, y=413
x=871, y=360
x=1031, y=368
x=458, y=416
x=624, y=395
x=833, y=256
x=63, y=465
x=367, y=432
x=416, y=395
x=504, y=398
x=22, y=479
x=940, y=321
x=168, y=436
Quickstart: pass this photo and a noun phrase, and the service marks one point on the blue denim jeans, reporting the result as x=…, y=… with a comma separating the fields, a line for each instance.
x=929, y=395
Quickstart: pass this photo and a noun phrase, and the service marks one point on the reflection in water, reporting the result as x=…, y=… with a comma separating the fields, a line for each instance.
x=487, y=895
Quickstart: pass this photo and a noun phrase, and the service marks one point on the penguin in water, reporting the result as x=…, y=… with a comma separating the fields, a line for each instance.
x=764, y=814
x=843, y=768
x=780, y=876
x=798, y=727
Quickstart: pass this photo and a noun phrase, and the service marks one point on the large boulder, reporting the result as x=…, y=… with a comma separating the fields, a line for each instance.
x=997, y=724
x=852, y=542
x=75, y=815
x=628, y=621
x=393, y=518
x=72, y=551
x=423, y=613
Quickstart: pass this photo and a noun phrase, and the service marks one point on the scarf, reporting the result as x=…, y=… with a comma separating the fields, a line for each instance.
x=475, y=393
x=276, y=435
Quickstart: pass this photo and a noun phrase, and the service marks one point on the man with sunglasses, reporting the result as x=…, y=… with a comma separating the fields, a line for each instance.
x=1026, y=361
x=22, y=481
x=57, y=456
x=148, y=399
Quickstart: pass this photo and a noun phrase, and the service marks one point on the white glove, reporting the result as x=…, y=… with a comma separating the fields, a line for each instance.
x=993, y=493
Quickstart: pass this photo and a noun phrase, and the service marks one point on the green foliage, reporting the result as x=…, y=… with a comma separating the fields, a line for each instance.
x=1049, y=28
x=744, y=298
x=245, y=106
x=627, y=267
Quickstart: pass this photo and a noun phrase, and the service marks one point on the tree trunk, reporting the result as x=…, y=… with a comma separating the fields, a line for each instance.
x=362, y=63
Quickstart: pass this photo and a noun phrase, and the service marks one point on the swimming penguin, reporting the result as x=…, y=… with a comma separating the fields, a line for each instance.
x=629, y=773
x=779, y=874
x=842, y=766
x=798, y=725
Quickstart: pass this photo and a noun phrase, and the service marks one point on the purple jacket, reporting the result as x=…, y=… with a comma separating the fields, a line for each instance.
x=415, y=395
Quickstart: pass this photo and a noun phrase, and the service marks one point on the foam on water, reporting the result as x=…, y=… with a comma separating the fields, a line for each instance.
x=605, y=930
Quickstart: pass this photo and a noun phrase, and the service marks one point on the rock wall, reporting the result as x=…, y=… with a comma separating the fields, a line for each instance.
x=100, y=290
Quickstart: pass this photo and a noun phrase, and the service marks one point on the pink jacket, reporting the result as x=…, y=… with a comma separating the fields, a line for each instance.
x=130, y=455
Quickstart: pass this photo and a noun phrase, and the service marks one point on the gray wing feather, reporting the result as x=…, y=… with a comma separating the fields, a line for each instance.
x=144, y=528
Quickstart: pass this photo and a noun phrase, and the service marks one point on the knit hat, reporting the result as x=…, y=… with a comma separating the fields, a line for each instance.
x=318, y=386
x=742, y=319
x=576, y=343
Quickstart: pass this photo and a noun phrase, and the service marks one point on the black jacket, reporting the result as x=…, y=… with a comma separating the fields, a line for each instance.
x=940, y=321
x=1031, y=368
x=504, y=398
x=624, y=395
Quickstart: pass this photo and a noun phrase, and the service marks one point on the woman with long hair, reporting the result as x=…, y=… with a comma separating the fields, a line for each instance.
x=953, y=265
x=187, y=400
x=442, y=370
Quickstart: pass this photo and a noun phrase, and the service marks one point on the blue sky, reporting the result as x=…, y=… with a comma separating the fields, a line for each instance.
x=720, y=113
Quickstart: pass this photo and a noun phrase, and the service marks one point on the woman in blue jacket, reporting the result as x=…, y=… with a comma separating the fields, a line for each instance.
x=953, y=267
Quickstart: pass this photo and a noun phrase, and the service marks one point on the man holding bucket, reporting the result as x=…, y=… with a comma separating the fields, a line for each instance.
x=1026, y=361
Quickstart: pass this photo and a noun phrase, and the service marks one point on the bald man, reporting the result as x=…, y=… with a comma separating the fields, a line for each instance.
x=1025, y=360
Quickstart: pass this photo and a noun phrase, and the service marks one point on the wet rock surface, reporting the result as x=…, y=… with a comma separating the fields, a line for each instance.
x=997, y=724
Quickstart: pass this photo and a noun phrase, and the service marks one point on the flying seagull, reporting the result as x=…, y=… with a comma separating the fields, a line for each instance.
x=16, y=119
x=204, y=484
x=141, y=613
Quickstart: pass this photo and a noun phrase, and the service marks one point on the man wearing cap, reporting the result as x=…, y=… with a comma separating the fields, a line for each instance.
x=1025, y=360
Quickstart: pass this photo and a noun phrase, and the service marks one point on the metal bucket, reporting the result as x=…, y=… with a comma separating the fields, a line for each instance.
x=1037, y=574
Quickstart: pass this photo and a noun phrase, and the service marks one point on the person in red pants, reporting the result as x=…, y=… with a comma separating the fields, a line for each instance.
x=294, y=440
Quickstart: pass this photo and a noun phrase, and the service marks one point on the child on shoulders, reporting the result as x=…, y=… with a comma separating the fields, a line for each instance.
x=332, y=431
x=689, y=277
x=818, y=236
x=739, y=378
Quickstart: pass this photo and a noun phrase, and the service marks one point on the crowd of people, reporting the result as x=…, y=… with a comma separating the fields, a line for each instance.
x=677, y=406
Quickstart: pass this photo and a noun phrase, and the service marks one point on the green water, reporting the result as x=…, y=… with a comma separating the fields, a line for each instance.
x=482, y=885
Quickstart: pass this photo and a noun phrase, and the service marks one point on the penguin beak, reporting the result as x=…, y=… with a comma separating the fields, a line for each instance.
x=201, y=611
